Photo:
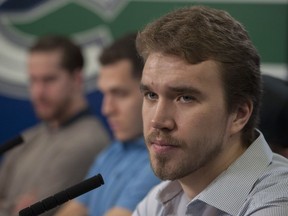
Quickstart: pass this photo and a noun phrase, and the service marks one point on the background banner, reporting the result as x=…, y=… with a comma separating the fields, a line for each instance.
x=95, y=23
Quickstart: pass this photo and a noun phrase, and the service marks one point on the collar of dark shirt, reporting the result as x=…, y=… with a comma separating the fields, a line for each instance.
x=82, y=113
x=85, y=112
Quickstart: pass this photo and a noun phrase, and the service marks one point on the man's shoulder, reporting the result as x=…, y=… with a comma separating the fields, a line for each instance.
x=273, y=183
x=88, y=129
x=89, y=121
x=32, y=132
x=270, y=191
x=276, y=172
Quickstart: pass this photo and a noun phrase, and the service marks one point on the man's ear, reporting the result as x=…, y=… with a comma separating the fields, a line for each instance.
x=78, y=77
x=240, y=116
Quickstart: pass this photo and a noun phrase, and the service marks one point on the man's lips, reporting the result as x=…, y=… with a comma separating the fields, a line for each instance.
x=42, y=106
x=113, y=125
x=161, y=147
x=41, y=103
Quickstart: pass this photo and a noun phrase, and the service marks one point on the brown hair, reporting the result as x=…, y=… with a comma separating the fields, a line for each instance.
x=72, y=58
x=124, y=48
x=199, y=33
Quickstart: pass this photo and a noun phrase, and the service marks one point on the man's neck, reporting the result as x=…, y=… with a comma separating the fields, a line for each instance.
x=197, y=181
x=70, y=112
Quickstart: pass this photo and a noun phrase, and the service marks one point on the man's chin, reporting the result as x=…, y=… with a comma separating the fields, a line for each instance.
x=122, y=137
x=45, y=116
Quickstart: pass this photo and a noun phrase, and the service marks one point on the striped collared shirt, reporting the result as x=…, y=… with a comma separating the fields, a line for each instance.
x=256, y=184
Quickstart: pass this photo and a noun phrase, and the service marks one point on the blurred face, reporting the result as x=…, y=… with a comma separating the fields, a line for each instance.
x=186, y=125
x=52, y=87
x=122, y=100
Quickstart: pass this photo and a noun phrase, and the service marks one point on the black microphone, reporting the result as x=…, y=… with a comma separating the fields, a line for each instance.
x=63, y=196
x=11, y=144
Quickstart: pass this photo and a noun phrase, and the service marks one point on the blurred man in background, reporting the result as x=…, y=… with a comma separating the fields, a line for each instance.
x=57, y=152
x=125, y=164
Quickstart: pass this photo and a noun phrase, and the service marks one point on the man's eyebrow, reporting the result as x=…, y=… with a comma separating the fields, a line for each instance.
x=143, y=87
x=175, y=89
x=184, y=89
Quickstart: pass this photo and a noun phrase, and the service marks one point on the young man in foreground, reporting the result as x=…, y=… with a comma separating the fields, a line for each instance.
x=201, y=85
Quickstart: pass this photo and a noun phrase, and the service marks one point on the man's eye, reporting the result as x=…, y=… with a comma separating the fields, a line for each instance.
x=150, y=96
x=50, y=79
x=121, y=94
x=186, y=99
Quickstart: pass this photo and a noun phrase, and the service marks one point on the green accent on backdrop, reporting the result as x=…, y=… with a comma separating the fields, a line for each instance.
x=266, y=23
x=69, y=19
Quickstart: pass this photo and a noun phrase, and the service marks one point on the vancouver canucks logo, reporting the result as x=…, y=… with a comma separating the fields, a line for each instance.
x=85, y=21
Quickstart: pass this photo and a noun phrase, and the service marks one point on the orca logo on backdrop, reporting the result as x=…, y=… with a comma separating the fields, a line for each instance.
x=21, y=21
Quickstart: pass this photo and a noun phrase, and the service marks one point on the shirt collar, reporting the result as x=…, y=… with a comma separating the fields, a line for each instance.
x=79, y=115
x=168, y=191
x=82, y=113
x=238, y=178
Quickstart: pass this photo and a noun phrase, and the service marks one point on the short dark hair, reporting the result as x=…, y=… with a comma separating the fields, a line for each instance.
x=123, y=48
x=72, y=58
x=200, y=33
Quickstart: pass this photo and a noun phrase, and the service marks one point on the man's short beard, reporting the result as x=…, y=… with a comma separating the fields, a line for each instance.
x=166, y=169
